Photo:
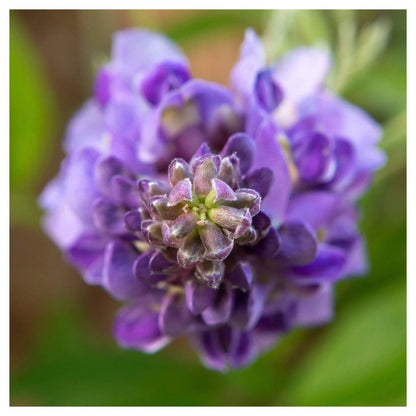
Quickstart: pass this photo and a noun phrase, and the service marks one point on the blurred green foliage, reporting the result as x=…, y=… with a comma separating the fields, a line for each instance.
x=32, y=118
x=359, y=359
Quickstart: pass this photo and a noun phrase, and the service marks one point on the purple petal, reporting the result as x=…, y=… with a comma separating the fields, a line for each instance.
x=344, y=154
x=270, y=155
x=125, y=191
x=260, y=180
x=86, y=129
x=162, y=79
x=132, y=220
x=105, y=169
x=252, y=60
x=301, y=72
x=312, y=156
x=243, y=146
x=315, y=309
x=118, y=276
x=326, y=267
x=338, y=118
x=138, y=49
x=268, y=93
x=86, y=253
x=137, y=327
x=298, y=244
x=266, y=247
x=79, y=185
x=220, y=310
x=145, y=268
x=240, y=277
x=174, y=316
x=108, y=217
x=247, y=307
x=198, y=296
x=315, y=208
x=211, y=351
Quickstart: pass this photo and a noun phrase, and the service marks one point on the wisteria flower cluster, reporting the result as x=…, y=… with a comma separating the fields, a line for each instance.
x=225, y=215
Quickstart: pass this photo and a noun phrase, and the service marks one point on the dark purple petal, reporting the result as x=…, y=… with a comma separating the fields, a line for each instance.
x=159, y=264
x=212, y=353
x=268, y=93
x=162, y=79
x=119, y=278
x=244, y=147
x=174, y=316
x=279, y=317
x=125, y=191
x=266, y=247
x=344, y=158
x=260, y=180
x=198, y=296
x=247, y=307
x=240, y=277
x=220, y=310
x=132, y=220
x=104, y=170
x=298, y=244
x=141, y=266
x=243, y=352
x=108, y=217
x=137, y=327
x=261, y=223
x=312, y=156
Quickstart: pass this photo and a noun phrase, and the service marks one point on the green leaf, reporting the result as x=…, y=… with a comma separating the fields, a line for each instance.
x=361, y=360
x=31, y=115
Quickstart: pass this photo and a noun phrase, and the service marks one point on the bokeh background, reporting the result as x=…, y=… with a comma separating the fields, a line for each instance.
x=61, y=348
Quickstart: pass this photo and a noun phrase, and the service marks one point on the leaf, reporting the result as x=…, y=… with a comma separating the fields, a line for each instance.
x=361, y=360
x=31, y=110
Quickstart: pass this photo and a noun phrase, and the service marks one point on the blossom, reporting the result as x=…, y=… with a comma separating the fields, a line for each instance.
x=224, y=215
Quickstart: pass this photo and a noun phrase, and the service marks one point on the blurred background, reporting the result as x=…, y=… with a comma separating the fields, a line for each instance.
x=61, y=348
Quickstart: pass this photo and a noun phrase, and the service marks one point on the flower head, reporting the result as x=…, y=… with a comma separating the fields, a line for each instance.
x=222, y=215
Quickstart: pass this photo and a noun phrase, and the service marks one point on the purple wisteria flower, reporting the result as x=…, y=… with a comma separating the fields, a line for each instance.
x=223, y=215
